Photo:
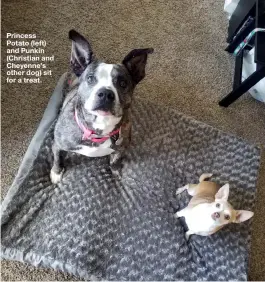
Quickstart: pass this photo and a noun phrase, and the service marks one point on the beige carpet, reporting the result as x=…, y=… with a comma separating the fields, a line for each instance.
x=188, y=71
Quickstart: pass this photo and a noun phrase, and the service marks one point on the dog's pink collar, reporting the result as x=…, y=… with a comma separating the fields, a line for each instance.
x=89, y=134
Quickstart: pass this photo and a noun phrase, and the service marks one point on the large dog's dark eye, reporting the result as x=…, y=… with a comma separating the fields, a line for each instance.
x=218, y=205
x=227, y=217
x=90, y=78
x=123, y=83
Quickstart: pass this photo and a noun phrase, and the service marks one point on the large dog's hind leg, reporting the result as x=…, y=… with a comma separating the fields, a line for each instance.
x=57, y=170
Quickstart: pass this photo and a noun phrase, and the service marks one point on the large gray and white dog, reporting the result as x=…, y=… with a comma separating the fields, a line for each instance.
x=95, y=118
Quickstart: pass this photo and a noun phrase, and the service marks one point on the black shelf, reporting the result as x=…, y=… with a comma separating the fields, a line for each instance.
x=249, y=14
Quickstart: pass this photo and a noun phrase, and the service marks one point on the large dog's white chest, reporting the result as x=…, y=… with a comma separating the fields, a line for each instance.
x=106, y=124
x=102, y=150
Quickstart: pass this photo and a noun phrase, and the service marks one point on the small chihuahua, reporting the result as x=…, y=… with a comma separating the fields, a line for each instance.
x=208, y=210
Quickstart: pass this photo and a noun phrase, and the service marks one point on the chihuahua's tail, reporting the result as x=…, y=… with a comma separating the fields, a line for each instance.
x=205, y=176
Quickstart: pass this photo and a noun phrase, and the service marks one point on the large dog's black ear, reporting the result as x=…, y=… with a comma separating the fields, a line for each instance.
x=81, y=54
x=135, y=62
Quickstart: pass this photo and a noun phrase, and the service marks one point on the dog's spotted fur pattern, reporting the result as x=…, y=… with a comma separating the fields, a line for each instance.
x=101, y=94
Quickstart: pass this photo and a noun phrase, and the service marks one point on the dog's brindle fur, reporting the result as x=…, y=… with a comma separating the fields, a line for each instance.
x=101, y=94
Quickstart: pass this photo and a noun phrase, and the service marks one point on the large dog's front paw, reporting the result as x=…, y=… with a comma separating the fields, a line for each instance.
x=56, y=177
x=116, y=164
x=116, y=170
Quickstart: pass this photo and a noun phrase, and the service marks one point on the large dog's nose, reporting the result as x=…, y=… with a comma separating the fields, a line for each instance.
x=106, y=95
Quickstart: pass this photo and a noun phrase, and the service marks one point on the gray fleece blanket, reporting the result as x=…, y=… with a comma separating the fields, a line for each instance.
x=95, y=226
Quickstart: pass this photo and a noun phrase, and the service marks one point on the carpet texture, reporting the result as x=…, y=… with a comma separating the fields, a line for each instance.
x=189, y=71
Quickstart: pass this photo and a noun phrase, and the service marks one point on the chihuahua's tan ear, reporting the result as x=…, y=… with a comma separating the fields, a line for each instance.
x=223, y=193
x=242, y=215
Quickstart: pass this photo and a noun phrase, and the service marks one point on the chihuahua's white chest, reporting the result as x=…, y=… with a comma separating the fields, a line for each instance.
x=198, y=219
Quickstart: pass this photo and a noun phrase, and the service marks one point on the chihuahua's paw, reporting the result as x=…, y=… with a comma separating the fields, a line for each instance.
x=181, y=213
x=56, y=177
x=182, y=189
x=187, y=235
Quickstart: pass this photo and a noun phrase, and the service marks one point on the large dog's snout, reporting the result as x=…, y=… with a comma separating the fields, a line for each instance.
x=106, y=96
x=104, y=99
